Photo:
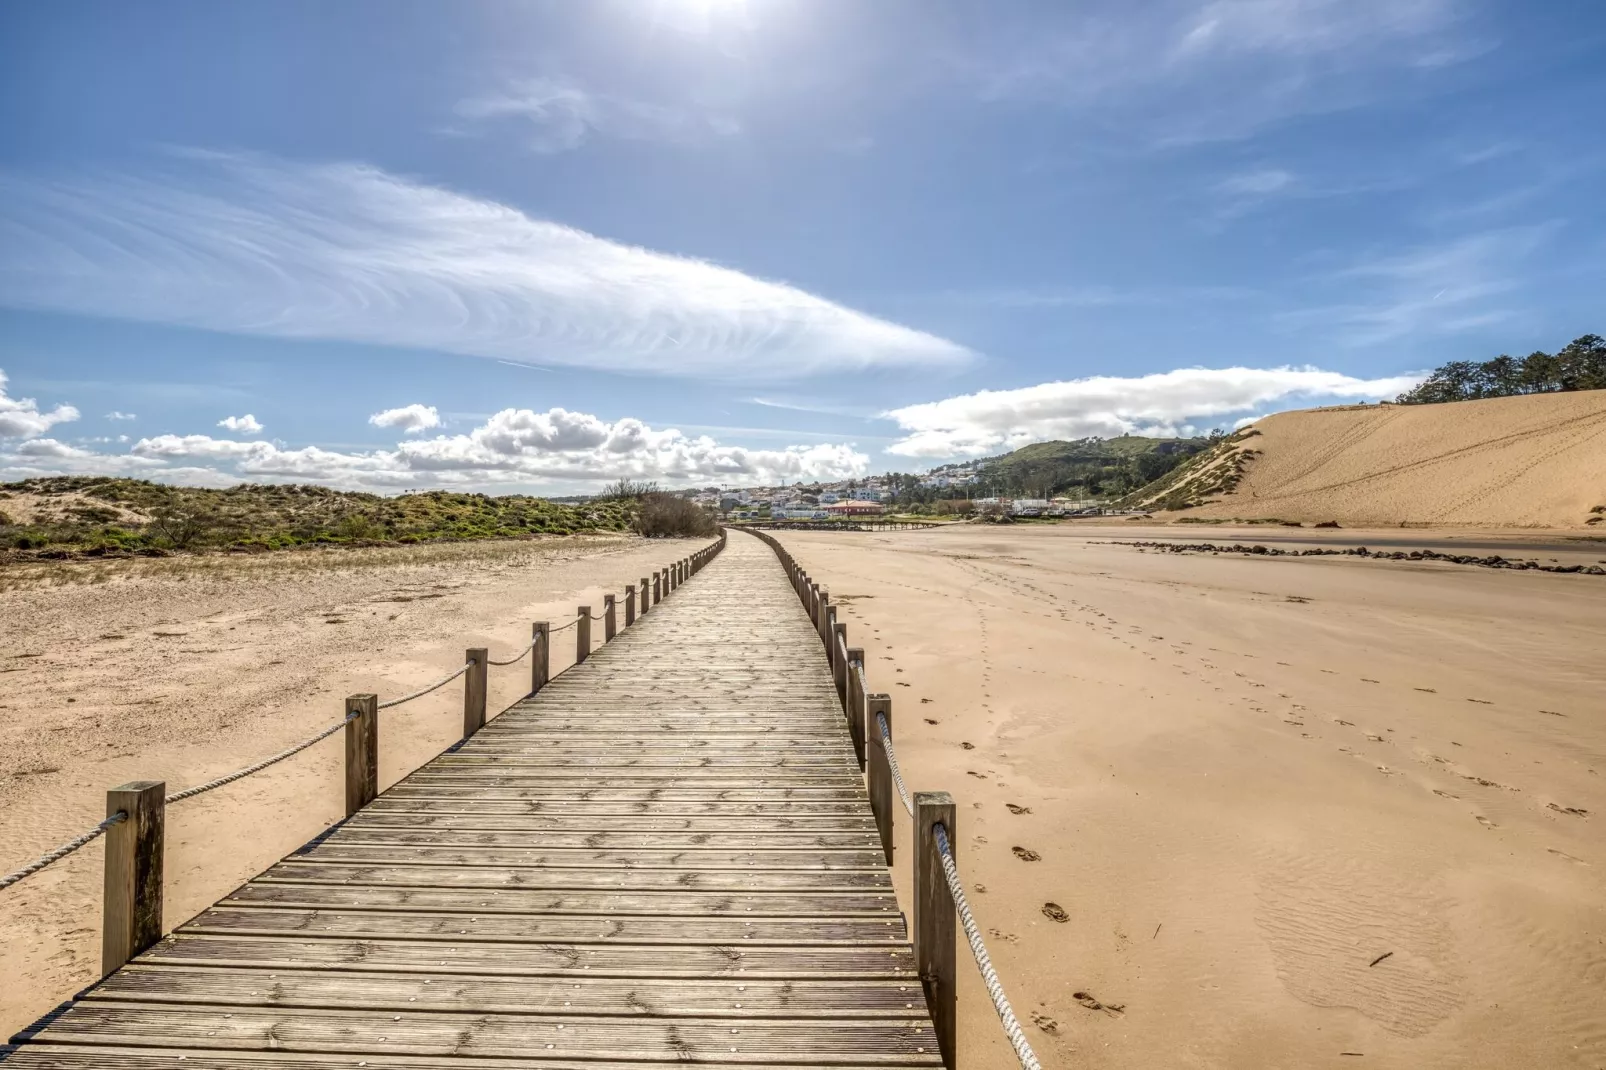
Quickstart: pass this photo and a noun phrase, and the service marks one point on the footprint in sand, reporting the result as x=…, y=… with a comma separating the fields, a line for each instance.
x=1568, y=857
x=1026, y=854
x=929, y=720
x=1044, y=1022
x=968, y=746
x=1481, y=701
x=1086, y=999
x=1485, y=822
x=925, y=700
x=1055, y=912
x=900, y=683
x=1574, y=810
x=1014, y=809
x=1445, y=794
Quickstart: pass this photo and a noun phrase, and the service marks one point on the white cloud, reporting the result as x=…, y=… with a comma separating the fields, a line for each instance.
x=412, y=419
x=518, y=446
x=992, y=421
x=203, y=446
x=21, y=418
x=255, y=246
x=561, y=115
x=241, y=425
x=115, y=415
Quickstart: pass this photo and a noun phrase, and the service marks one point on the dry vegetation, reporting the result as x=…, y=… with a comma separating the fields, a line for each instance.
x=94, y=516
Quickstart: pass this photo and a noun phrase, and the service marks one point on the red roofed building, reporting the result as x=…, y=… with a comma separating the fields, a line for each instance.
x=853, y=508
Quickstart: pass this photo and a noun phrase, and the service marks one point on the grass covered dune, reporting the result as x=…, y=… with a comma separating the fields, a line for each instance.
x=98, y=516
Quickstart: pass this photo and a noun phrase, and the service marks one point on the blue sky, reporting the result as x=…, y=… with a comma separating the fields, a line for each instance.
x=538, y=246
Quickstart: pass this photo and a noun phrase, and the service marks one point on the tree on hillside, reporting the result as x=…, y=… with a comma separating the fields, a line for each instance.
x=1581, y=365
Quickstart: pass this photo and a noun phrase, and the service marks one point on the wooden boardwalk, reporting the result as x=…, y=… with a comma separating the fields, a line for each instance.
x=666, y=855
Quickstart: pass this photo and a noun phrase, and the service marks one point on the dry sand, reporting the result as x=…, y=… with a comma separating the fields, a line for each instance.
x=1305, y=812
x=1537, y=461
x=184, y=669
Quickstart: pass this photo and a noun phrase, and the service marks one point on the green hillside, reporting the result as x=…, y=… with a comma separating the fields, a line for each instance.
x=99, y=515
x=1089, y=467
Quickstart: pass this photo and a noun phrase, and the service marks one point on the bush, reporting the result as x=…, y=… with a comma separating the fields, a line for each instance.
x=664, y=515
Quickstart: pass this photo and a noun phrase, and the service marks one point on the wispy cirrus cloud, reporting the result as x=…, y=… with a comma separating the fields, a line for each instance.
x=1166, y=403
x=1187, y=71
x=253, y=245
x=22, y=417
x=1260, y=182
x=559, y=115
x=1462, y=284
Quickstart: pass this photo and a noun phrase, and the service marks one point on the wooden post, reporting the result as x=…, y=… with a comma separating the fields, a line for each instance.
x=657, y=588
x=630, y=604
x=582, y=634
x=610, y=619
x=855, y=707
x=540, y=655
x=474, y=690
x=362, y=751
x=132, y=908
x=935, y=928
x=880, y=767
x=839, y=660
x=827, y=618
x=644, y=594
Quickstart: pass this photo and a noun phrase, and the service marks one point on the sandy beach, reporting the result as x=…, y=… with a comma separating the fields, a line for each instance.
x=1284, y=812
x=187, y=668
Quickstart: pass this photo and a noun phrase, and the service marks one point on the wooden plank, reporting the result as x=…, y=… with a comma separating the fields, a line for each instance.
x=537, y=901
x=494, y=995
x=586, y=858
x=618, y=839
x=524, y=928
x=537, y=960
x=888, y=1042
x=605, y=877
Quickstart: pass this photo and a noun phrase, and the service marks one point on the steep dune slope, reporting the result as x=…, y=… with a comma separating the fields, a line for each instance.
x=1536, y=461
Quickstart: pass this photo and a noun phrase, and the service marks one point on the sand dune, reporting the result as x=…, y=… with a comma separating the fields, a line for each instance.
x=1537, y=461
x=1279, y=812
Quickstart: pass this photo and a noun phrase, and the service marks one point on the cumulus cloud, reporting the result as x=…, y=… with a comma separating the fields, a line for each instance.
x=241, y=425
x=1166, y=403
x=411, y=419
x=21, y=417
x=519, y=446
x=256, y=246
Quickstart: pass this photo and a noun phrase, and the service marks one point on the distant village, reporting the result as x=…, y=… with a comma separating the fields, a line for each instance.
x=874, y=495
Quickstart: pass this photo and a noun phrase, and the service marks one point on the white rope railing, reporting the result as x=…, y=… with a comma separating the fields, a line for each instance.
x=516, y=658
x=190, y=793
x=63, y=851
x=989, y=976
x=892, y=762
x=442, y=682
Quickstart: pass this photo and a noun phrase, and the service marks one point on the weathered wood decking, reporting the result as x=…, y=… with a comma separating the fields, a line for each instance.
x=666, y=855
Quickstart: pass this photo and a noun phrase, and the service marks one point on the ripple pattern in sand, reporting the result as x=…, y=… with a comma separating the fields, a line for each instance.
x=1327, y=920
